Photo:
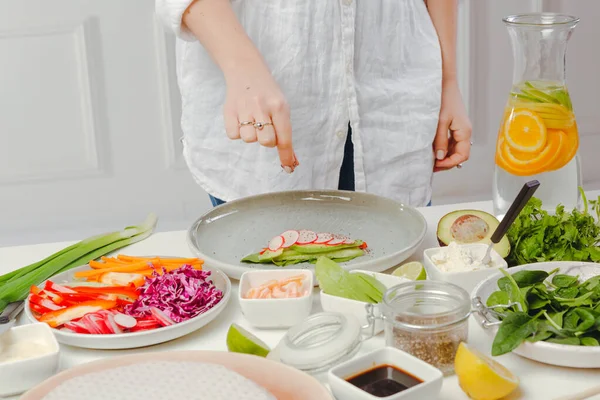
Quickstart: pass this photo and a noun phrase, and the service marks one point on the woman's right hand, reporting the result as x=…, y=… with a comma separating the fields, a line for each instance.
x=253, y=95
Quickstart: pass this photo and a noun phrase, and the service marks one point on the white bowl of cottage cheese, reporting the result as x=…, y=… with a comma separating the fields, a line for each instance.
x=461, y=264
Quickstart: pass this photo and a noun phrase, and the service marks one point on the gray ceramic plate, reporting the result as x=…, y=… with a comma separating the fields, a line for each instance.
x=225, y=234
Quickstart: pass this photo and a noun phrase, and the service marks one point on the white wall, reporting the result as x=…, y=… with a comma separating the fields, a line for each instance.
x=89, y=113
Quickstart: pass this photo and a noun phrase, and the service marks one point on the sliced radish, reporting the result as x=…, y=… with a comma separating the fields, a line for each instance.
x=323, y=238
x=145, y=325
x=306, y=237
x=111, y=323
x=161, y=317
x=76, y=327
x=276, y=243
x=349, y=241
x=125, y=321
x=335, y=242
x=289, y=238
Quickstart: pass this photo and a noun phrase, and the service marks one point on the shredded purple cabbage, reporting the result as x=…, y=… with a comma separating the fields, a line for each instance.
x=181, y=294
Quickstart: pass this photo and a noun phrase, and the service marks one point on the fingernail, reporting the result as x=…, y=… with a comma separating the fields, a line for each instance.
x=440, y=154
x=288, y=170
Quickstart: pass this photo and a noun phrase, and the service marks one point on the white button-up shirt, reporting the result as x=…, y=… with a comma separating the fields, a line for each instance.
x=374, y=63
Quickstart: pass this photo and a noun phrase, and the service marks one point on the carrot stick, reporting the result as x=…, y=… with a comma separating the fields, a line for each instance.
x=120, y=268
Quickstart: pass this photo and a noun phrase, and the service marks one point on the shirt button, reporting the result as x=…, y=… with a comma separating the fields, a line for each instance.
x=340, y=134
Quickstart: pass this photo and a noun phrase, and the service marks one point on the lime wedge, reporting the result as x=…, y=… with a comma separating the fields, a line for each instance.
x=414, y=271
x=240, y=340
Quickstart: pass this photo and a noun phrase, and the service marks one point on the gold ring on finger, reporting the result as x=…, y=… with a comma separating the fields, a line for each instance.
x=260, y=125
x=246, y=123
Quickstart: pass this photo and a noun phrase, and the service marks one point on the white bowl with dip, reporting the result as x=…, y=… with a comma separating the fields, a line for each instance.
x=357, y=308
x=28, y=356
x=461, y=264
x=275, y=312
x=407, y=376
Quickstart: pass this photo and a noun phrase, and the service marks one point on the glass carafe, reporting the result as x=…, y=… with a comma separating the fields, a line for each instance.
x=538, y=136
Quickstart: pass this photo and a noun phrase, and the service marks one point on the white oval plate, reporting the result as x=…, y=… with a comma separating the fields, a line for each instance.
x=548, y=353
x=282, y=381
x=227, y=233
x=143, y=338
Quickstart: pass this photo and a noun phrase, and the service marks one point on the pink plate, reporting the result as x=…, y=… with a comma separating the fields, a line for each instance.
x=283, y=382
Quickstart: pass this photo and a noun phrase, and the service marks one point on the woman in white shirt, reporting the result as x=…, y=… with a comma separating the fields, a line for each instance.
x=367, y=87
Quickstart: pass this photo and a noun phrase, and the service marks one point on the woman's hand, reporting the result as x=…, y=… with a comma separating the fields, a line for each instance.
x=452, y=150
x=253, y=96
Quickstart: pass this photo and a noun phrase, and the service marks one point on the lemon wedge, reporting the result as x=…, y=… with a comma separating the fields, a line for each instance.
x=482, y=378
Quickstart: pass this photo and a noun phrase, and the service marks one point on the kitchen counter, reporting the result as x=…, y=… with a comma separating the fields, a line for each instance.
x=538, y=381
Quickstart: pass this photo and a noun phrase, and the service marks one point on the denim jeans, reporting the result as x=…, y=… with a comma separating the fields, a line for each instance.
x=346, y=181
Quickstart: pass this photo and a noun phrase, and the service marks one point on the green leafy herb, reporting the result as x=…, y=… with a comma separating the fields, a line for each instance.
x=555, y=308
x=538, y=236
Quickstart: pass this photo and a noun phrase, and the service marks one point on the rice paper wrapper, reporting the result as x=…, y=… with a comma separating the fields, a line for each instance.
x=161, y=381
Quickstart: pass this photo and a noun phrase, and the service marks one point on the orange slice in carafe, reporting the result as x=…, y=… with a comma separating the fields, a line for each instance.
x=527, y=164
x=525, y=131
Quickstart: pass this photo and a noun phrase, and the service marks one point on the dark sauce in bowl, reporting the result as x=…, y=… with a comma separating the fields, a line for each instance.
x=384, y=380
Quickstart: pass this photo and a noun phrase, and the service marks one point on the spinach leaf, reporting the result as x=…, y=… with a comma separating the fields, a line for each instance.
x=564, y=281
x=515, y=328
x=567, y=293
x=555, y=319
x=512, y=289
x=524, y=278
x=583, y=300
x=499, y=297
x=589, y=341
x=536, y=301
x=543, y=332
x=573, y=341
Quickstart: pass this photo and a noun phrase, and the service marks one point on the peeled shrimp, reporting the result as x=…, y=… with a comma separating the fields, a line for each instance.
x=285, y=288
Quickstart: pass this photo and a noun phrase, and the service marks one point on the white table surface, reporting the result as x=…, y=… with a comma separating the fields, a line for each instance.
x=538, y=381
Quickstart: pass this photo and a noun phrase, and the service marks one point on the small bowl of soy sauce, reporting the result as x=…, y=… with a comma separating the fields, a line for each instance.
x=387, y=373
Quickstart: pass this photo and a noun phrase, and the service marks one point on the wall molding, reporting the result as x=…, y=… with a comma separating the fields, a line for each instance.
x=79, y=34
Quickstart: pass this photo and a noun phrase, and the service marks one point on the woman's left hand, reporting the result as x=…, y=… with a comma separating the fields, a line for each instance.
x=452, y=149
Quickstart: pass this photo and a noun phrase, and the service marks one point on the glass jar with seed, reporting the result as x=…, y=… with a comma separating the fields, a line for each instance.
x=427, y=319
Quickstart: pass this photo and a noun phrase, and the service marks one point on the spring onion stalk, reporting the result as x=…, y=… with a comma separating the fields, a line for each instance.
x=16, y=286
x=24, y=270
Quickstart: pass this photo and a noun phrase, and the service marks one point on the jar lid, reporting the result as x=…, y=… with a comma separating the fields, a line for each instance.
x=320, y=341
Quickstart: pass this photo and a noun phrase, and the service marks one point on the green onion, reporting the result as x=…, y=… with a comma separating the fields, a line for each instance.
x=15, y=285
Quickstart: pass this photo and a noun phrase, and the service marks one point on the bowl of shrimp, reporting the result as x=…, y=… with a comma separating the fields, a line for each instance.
x=276, y=298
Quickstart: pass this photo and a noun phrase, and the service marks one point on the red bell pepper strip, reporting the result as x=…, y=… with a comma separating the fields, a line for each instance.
x=56, y=288
x=44, y=302
x=59, y=317
x=39, y=309
x=34, y=289
x=55, y=297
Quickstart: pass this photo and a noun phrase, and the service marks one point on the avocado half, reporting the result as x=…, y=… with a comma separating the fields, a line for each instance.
x=470, y=226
